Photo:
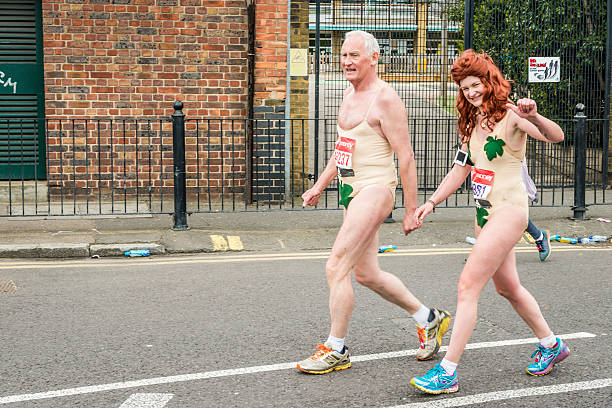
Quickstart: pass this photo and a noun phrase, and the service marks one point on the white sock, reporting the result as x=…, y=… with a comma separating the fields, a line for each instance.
x=448, y=366
x=549, y=342
x=541, y=237
x=336, y=343
x=421, y=316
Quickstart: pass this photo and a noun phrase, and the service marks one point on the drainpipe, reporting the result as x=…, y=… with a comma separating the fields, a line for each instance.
x=607, y=110
x=288, y=108
x=250, y=100
x=468, y=25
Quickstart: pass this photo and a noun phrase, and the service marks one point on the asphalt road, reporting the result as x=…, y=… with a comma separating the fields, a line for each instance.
x=225, y=331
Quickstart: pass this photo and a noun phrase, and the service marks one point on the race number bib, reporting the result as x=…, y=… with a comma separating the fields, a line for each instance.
x=482, y=182
x=343, y=152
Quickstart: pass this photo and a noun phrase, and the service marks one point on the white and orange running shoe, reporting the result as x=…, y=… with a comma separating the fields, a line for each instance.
x=325, y=360
x=430, y=337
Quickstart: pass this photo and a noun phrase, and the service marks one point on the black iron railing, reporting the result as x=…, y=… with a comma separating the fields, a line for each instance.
x=183, y=165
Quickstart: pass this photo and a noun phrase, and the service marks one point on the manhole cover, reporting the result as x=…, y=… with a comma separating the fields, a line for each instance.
x=7, y=286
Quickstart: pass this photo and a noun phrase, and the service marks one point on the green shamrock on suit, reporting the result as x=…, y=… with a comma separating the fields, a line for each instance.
x=345, y=192
x=481, y=213
x=494, y=147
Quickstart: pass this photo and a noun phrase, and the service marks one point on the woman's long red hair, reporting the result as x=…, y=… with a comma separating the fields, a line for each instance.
x=495, y=96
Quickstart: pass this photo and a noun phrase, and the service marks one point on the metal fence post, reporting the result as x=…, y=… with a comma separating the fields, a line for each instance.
x=468, y=25
x=389, y=219
x=178, y=154
x=317, y=71
x=580, y=165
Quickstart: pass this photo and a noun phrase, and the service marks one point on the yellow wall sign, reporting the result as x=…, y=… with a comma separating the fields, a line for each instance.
x=298, y=62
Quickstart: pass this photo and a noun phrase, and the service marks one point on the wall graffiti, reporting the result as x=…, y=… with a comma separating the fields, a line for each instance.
x=8, y=82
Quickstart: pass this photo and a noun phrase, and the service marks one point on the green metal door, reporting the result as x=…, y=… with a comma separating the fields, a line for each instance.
x=22, y=147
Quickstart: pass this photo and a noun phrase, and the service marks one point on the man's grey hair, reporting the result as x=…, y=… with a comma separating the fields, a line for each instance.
x=371, y=44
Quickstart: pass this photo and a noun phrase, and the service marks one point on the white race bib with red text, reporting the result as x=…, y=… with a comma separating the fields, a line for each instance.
x=343, y=152
x=482, y=182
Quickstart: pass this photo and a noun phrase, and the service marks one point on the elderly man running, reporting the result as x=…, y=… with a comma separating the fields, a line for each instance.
x=372, y=125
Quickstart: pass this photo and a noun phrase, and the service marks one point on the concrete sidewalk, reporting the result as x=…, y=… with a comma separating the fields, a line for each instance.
x=277, y=231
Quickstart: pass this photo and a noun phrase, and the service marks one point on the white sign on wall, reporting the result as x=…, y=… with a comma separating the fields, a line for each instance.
x=544, y=69
x=298, y=65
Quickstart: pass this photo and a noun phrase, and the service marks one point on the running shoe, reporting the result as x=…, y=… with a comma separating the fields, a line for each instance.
x=436, y=381
x=545, y=358
x=544, y=246
x=325, y=360
x=430, y=337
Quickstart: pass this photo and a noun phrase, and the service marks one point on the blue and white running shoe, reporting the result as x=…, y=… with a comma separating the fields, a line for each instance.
x=545, y=358
x=543, y=246
x=436, y=381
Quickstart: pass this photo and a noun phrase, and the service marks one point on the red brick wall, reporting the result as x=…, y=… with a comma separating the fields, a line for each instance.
x=118, y=59
x=135, y=57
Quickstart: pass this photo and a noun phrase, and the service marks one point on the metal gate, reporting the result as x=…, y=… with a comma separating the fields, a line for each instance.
x=577, y=32
x=419, y=41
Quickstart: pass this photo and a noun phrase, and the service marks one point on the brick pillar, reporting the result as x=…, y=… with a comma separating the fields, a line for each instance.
x=269, y=102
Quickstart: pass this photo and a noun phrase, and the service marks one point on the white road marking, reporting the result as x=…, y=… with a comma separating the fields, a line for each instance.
x=142, y=400
x=169, y=260
x=518, y=393
x=471, y=346
x=249, y=370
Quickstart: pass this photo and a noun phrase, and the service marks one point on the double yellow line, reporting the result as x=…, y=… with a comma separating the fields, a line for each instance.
x=234, y=258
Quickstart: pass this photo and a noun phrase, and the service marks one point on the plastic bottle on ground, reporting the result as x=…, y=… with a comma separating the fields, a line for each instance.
x=586, y=241
x=567, y=240
x=386, y=248
x=137, y=252
x=470, y=240
x=598, y=238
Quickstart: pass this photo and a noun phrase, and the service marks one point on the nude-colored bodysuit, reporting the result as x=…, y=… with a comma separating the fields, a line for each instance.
x=508, y=188
x=372, y=161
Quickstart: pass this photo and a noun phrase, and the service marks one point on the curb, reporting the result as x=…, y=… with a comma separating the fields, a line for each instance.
x=44, y=251
x=77, y=250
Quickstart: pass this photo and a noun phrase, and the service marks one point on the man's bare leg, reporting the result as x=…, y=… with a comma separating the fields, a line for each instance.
x=432, y=324
x=353, y=250
x=361, y=222
x=387, y=285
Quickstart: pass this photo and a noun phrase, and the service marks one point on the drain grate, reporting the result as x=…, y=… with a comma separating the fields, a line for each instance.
x=7, y=286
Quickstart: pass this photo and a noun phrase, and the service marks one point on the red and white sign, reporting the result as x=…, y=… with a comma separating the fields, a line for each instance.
x=482, y=182
x=343, y=153
x=544, y=69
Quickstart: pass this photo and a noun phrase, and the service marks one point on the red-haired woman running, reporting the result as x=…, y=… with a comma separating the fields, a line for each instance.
x=493, y=133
